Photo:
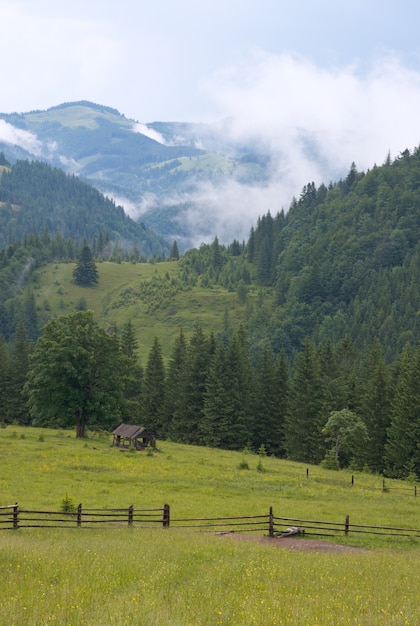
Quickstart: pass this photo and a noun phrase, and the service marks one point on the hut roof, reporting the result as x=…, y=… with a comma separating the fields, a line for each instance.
x=130, y=431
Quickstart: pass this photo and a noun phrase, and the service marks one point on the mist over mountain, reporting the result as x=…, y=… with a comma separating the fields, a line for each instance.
x=186, y=181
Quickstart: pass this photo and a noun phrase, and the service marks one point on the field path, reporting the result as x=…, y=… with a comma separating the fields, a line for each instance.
x=302, y=544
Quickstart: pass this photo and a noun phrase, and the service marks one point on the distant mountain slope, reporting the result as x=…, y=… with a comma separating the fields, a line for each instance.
x=157, y=171
x=35, y=197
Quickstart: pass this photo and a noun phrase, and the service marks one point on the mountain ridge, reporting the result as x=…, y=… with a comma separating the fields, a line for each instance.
x=36, y=198
x=151, y=169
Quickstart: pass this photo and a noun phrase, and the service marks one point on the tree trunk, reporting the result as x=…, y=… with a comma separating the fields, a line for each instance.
x=80, y=426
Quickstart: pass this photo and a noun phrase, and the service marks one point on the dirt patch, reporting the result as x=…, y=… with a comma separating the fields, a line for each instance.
x=301, y=544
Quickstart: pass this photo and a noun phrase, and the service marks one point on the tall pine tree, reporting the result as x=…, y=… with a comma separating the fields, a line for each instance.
x=199, y=355
x=375, y=406
x=402, y=450
x=268, y=418
x=18, y=369
x=175, y=388
x=85, y=273
x=133, y=379
x=306, y=414
x=154, y=392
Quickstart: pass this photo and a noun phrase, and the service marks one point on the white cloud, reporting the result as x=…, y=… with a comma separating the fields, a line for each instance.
x=22, y=138
x=313, y=123
x=354, y=116
x=143, y=129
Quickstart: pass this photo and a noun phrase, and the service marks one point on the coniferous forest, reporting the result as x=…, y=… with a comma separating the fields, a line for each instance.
x=326, y=368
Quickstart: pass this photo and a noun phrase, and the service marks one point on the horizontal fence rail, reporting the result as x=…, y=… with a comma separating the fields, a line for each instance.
x=332, y=529
x=12, y=517
x=352, y=482
x=242, y=523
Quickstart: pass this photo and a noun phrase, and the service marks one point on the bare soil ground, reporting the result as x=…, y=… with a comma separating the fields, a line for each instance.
x=293, y=543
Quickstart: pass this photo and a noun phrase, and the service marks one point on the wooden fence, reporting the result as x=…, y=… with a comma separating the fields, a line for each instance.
x=12, y=517
x=383, y=486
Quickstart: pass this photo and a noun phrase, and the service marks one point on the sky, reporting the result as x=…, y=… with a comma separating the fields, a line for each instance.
x=347, y=74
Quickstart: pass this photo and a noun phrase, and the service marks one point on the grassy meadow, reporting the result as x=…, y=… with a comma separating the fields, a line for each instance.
x=181, y=577
x=142, y=293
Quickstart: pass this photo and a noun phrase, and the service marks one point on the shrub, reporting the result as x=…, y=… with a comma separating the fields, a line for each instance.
x=260, y=466
x=329, y=461
x=68, y=505
x=81, y=304
x=262, y=451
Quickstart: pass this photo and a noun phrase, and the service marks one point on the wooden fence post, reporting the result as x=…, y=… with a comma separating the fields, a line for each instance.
x=270, y=523
x=352, y=480
x=166, y=515
x=130, y=514
x=79, y=515
x=15, y=516
x=347, y=525
x=307, y=472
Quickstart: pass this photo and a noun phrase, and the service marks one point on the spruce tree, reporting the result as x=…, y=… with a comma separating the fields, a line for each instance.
x=154, y=392
x=375, y=406
x=4, y=380
x=306, y=415
x=30, y=317
x=174, y=254
x=18, y=369
x=216, y=255
x=402, y=451
x=133, y=379
x=216, y=423
x=268, y=426
x=175, y=387
x=226, y=414
x=199, y=354
x=239, y=366
x=85, y=273
x=283, y=391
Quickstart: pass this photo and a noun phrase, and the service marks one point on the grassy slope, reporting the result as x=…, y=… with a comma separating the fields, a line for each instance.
x=177, y=577
x=116, y=299
x=196, y=481
x=72, y=117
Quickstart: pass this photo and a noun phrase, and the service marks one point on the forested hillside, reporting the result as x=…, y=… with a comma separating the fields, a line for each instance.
x=325, y=367
x=344, y=260
x=35, y=198
x=155, y=167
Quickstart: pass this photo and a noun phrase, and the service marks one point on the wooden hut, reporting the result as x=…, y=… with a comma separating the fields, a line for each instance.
x=126, y=435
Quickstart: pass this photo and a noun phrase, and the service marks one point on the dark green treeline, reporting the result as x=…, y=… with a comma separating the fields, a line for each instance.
x=212, y=393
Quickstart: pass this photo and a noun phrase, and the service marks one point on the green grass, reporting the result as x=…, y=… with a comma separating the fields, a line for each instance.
x=183, y=577
x=73, y=117
x=161, y=312
x=41, y=468
x=161, y=578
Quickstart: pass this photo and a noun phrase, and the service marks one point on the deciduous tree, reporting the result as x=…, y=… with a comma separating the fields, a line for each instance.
x=76, y=374
x=349, y=437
